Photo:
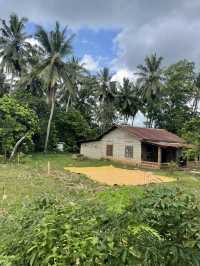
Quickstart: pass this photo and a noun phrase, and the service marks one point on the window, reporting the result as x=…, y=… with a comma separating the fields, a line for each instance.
x=129, y=151
x=109, y=150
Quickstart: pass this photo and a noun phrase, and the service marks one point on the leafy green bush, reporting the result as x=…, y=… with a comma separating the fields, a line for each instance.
x=175, y=216
x=16, y=121
x=47, y=233
x=160, y=229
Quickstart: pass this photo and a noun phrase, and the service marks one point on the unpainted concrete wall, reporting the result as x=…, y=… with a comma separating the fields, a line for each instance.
x=119, y=138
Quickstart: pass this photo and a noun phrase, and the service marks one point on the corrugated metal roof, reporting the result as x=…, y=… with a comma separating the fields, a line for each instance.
x=148, y=135
x=153, y=134
x=169, y=144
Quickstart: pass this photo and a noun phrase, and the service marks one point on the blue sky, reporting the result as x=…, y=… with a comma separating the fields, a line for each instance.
x=119, y=33
x=97, y=43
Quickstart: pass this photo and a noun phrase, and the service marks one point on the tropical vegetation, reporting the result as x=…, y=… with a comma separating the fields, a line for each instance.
x=42, y=73
x=51, y=217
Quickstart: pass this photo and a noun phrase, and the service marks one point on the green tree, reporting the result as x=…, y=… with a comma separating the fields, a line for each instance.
x=174, y=108
x=4, y=86
x=17, y=124
x=14, y=47
x=52, y=68
x=150, y=80
x=196, y=95
x=85, y=100
x=106, y=93
x=127, y=100
x=150, y=76
x=72, y=128
x=191, y=132
x=77, y=73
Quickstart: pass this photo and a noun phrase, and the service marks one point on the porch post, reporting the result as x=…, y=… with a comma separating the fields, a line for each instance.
x=159, y=155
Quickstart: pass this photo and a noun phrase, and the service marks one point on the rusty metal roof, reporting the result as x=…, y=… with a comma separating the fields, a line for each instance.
x=153, y=134
x=169, y=144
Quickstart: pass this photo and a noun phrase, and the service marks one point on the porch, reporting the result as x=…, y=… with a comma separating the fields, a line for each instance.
x=159, y=155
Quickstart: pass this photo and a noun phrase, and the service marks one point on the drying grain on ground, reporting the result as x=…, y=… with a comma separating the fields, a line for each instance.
x=111, y=175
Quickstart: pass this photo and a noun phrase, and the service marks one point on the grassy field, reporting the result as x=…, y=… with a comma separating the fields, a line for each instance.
x=59, y=218
x=23, y=182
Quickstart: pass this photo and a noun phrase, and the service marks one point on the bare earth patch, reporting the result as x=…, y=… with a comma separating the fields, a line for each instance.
x=111, y=175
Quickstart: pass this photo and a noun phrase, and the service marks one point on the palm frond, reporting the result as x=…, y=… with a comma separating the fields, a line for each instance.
x=43, y=38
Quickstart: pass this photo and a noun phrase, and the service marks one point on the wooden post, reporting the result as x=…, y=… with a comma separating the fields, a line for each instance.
x=159, y=156
x=48, y=168
x=18, y=158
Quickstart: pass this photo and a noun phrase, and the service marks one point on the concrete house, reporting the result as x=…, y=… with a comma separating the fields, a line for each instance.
x=140, y=146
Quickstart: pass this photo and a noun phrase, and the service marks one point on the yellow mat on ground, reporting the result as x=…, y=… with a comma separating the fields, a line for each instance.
x=111, y=175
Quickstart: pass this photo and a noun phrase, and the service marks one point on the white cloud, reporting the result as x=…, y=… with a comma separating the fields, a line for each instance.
x=169, y=28
x=122, y=73
x=174, y=38
x=139, y=120
x=89, y=63
x=33, y=41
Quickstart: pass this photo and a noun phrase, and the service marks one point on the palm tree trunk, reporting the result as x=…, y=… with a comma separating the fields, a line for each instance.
x=195, y=105
x=67, y=105
x=49, y=123
x=16, y=147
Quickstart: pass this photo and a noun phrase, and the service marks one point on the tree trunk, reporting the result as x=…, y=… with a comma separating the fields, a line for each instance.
x=16, y=147
x=195, y=105
x=49, y=124
x=67, y=105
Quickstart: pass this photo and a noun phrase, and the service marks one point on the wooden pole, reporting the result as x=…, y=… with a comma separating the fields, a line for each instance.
x=48, y=168
x=159, y=156
x=18, y=159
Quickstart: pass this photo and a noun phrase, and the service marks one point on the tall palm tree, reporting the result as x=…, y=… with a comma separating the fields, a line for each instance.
x=150, y=82
x=4, y=86
x=14, y=47
x=70, y=88
x=52, y=67
x=196, y=94
x=150, y=76
x=106, y=94
x=104, y=91
x=128, y=100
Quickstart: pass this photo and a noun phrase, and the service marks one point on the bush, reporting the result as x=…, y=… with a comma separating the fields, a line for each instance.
x=175, y=216
x=47, y=233
x=161, y=229
x=16, y=121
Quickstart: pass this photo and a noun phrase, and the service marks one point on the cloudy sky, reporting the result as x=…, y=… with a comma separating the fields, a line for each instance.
x=119, y=33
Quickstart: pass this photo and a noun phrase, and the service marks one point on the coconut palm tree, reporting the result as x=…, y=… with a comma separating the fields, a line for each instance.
x=196, y=94
x=4, y=86
x=70, y=88
x=14, y=47
x=128, y=100
x=150, y=83
x=52, y=66
x=106, y=93
x=150, y=76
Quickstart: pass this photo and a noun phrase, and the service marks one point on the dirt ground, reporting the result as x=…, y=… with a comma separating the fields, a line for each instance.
x=111, y=175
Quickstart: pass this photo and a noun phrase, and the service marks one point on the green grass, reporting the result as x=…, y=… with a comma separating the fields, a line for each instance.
x=27, y=181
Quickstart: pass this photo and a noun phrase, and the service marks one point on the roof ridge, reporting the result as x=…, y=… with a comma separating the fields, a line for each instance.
x=148, y=128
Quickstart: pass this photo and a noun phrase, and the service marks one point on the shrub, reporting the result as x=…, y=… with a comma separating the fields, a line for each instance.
x=16, y=121
x=161, y=229
x=47, y=233
x=175, y=215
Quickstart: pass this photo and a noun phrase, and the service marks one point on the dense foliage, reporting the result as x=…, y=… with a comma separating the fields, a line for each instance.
x=46, y=76
x=16, y=121
x=191, y=132
x=162, y=228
